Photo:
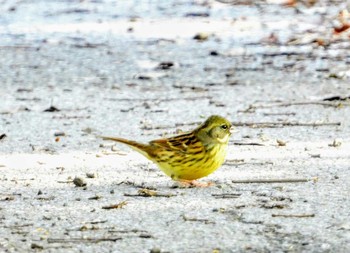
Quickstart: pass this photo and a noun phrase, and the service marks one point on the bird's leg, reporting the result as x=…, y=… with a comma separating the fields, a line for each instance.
x=194, y=183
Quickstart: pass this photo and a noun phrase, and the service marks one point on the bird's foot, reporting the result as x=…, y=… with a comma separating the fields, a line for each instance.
x=194, y=183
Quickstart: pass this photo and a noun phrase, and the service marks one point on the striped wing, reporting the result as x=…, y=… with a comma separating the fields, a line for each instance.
x=178, y=143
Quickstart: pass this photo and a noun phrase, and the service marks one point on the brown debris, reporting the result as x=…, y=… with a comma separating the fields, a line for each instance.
x=116, y=206
x=282, y=180
x=149, y=193
x=294, y=215
x=336, y=143
x=83, y=240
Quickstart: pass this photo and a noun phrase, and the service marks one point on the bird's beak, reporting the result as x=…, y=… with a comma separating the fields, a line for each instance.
x=233, y=130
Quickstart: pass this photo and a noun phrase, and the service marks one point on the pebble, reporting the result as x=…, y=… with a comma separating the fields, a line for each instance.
x=155, y=250
x=201, y=36
x=36, y=246
x=281, y=142
x=91, y=175
x=59, y=133
x=79, y=182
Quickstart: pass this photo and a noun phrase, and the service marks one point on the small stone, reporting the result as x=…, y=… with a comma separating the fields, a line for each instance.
x=83, y=228
x=52, y=109
x=336, y=143
x=40, y=192
x=87, y=130
x=2, y=136
x=315, y=155
x=201, y=36
x=165, y=65
x=281, y=143
x=91, y=175
x=36, y=246
x=59, y=133
x=197, y=14
x=155, y=250
x=144, y=77
x=79, y=182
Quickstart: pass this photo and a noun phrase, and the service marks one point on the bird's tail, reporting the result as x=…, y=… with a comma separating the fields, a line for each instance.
x=139, y=147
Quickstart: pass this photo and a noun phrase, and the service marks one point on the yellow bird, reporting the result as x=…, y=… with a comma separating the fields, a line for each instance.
x=188, y=156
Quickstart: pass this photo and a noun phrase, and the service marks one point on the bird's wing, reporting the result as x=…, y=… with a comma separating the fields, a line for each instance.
x=177, y=143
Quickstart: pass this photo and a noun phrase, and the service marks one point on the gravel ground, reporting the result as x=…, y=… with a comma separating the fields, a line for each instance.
x=74, y=69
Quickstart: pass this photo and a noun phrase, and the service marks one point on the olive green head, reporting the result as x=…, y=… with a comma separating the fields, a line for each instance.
x=215, y=129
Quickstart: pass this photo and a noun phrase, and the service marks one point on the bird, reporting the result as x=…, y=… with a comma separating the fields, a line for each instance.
x=188, y=156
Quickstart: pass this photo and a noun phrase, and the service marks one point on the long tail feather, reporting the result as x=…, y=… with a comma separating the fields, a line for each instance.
x=139, y=147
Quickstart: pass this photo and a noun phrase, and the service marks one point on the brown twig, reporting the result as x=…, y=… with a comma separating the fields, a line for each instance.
x=294, y=215
x=96, y=221
x=286, y=123
x=65, y=181
x=112, y=230
x=79, y=240
x=20, y=225
x=149, y=193
x=116, y=206
x=139, y=233
x=286, y=104
x=279, y=113
x=248, y=144
x=46, y=198
x=19, y=47
x=206, y=221
x=158, y=99
x=235, y=160
x=270, y=181
x=230, y=163
x=227, y=195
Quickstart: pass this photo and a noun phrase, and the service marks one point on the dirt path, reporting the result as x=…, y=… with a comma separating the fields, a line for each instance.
x=74, y=70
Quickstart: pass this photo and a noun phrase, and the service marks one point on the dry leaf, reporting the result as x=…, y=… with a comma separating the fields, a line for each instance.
x=116, y=206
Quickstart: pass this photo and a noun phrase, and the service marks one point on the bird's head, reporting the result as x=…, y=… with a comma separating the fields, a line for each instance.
x=215, y=129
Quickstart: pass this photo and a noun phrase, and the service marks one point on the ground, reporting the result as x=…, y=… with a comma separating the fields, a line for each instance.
x=73, y=70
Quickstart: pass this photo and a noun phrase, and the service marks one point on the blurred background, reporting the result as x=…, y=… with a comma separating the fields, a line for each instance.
x=143, y=69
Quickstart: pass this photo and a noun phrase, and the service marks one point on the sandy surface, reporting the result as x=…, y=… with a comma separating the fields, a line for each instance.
x=71, y=70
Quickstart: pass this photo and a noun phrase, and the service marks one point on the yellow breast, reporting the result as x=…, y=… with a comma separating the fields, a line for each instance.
x=194, y=166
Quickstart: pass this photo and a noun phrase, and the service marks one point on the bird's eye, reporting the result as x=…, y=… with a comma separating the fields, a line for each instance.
x=224, y=127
